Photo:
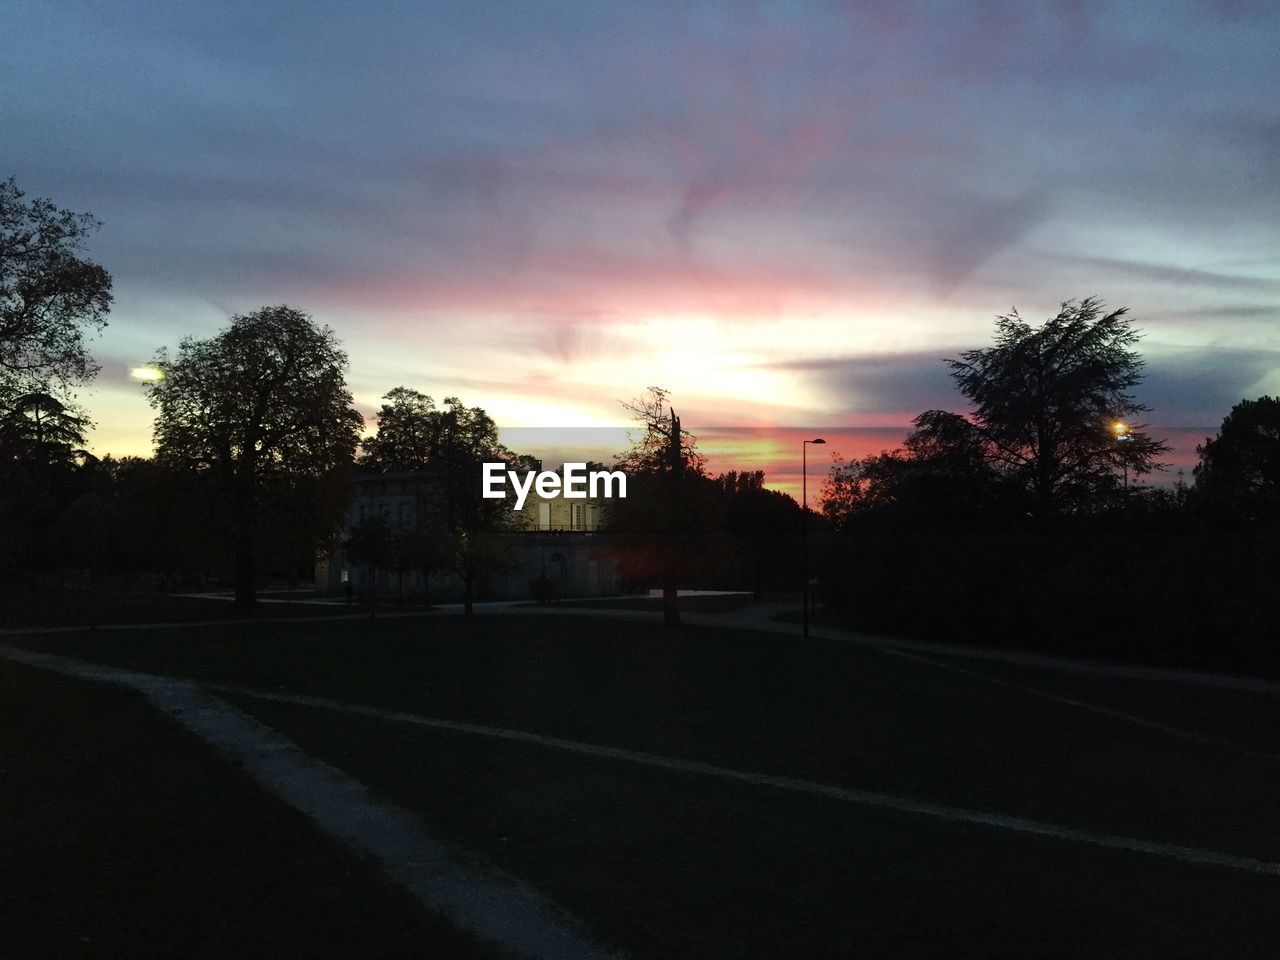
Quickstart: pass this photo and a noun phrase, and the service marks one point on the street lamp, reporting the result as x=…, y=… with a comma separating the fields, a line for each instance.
x=1121, y=431
x=804, y=524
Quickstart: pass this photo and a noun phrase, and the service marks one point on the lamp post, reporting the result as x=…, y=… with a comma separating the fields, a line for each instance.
x=1122, y=434
x=804, y=524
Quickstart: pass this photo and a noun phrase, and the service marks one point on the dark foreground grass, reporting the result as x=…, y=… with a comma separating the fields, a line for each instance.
x=829, y=712
x=715, y=603
x=53, y=606
x=1243, y=720
x=676, y=865
x=123, y=836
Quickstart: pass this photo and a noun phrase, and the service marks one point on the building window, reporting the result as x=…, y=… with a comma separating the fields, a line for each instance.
x=544, y=516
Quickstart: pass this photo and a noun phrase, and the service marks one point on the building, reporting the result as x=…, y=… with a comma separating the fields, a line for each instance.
x=558, y=547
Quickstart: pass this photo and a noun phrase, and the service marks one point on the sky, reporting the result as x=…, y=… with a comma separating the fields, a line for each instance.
x=787, y=214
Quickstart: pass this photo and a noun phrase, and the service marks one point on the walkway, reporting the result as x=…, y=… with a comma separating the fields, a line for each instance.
x=481, y=901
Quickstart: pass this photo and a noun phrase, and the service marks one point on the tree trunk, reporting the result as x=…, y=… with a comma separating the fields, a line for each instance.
x=675, y=474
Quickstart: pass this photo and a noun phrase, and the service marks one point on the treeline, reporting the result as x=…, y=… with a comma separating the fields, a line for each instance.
x=1026, y=522
x=256, y=445
x=681, y=528
x=255, y=439
x=678, y=524
x=136, y=522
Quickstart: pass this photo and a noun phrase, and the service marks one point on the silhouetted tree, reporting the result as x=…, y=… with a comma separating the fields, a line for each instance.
x=407, y=440
x=671, y=525
x=27, y=505
x=371, y=542
x=86, y=535
x=169, y=520
x=40, y=429
x=651, y=445
x=263, y=408
x=940, y=478
x=442, y=448
x=41, y=453
x=408, y=434
x=1045, y=400
x=761, y=524
x=49, y=294
x=1239, y=469
x=475, y=531
x=863, y=487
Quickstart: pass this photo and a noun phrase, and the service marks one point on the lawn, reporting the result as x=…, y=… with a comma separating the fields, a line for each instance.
x=67, y=606
x=667, y=863
x=708, y=603
x=124, y=836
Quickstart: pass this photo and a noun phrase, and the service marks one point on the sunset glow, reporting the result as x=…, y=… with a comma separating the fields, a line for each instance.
x=563, y=479
x=787, y=220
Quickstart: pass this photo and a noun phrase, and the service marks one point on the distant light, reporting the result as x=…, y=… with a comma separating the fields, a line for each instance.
x=1120, y=429
x=147, y=374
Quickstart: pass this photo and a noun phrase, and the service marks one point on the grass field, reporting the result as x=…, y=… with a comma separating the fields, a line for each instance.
x=697, y=603
x=672, y=863
x=52, y=606
x=124, y=836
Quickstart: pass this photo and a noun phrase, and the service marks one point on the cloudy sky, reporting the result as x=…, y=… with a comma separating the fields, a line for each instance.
x=785, y=213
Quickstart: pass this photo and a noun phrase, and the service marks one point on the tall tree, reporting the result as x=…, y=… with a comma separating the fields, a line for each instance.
x=372, y=542
x=762, y=524
x=671, y=525
x=658, y=436
x=408, y=432
x=170, y=521
x=940, y=478
x=407, y=440
x=49, y=294
x=263, y=407
x=1045, y=401
x=454, y=528
x=477, y=532
x=1239, y=469
x=40, y=429
x=41, y=452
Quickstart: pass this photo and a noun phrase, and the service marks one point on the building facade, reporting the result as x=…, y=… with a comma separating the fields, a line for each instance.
x=557, y=548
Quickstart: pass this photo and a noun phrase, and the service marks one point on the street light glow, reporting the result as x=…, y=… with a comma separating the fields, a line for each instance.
x=1120, y=429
